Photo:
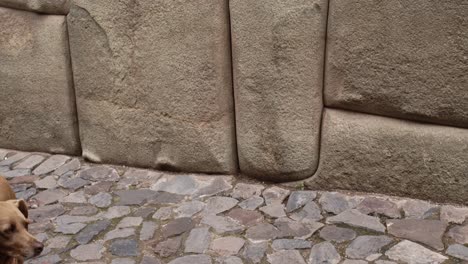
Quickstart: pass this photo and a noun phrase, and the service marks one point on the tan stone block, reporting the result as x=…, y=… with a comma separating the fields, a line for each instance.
x=54, y=7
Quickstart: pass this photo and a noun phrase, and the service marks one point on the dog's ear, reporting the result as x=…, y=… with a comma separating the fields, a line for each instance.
x=21, y=205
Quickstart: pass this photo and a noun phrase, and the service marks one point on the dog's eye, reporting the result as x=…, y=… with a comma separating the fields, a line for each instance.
x=10, y=230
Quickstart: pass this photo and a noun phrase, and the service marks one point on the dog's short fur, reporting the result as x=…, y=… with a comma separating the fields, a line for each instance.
x=16, y=243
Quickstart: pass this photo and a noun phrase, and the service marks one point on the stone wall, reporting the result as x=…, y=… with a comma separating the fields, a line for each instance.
x=347, y=94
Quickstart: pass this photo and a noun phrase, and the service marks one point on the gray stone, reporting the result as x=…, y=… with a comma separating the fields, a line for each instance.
x=310, y=212
x=452, y=214
x=16, y=173
x=337, y=234
x=168, y=247
x=428, y=232
x=261, y=232
x=10, y=160
x=226, y=246
x=222, y=225
x=354, y=261
x=459, y=234
x=385, y=262
x=116, y=212
x=119, y=233
x=275, y=195
x=198, y=259
x=255, y=252
x=278, y=53
x=73, y=183
x=381, y=148
x=49, y=196
x=74, y=198
x=30, y=162
x=25, y=195
x=58, y=242
x=287, y=244
x=374, y=205
x=147, y=230
x=198, y=240
x=405, y=68
x=417, y=209
x=163, y=213
x=163, y=198
x=130, y=221
x=275, y=210
x=38, y=109
x=91, y=231
x=144, y=212
x=98, y=187
x=70, y=229
x=48, y=182
x=88, y=252
x=357, y=219
x=124, y=248
x=251, y=203
x=246, y=191
x=139, y=178
x=70, y=166
x=245, y=217
x=123, y=261
x=84, y=210
x=286, y=256
x=99, y=173
x=135, y=197
x=150, y=260
x=216, y=205
x=458, y=251
x=188, y=209
x=177, y=227
x=410, y=252
x=229, y=260
x=50, y=164
x=46, y=212
x=101, y=200
x=194, y=132
x=365, y=246
x=49, y=259
x=298, y=199
x=195, y=186
x=291, y=228
x=324, y=252
x=336, y=203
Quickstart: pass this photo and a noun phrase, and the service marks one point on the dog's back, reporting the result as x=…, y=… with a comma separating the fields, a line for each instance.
x=6, y=193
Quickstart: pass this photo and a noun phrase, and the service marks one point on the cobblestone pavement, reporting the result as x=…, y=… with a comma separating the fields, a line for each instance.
x=87, y=213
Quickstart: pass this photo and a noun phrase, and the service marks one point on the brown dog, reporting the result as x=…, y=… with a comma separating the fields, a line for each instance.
x=16, y=244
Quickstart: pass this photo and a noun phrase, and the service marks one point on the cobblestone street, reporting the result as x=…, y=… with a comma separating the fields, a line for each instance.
x=88, y=213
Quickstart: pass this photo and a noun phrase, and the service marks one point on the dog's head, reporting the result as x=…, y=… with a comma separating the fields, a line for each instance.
x=15, y=240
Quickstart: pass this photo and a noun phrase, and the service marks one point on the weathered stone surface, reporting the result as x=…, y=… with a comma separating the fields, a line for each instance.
x=246, y=191
x=29, y=162
x=130, y=221
x=373, y=205
x=417, y=209
x=251, y=203
x=378, y=154
x=163, y=213
x=119, y=233
x=147, y=230
x=177, y=227
x=58, y=242
x=336, y=203
x=402, y=65
x=74, y=198
x=222, y=225
x=254, y=252
x=123, y=261
x=278, y=53
x=324, y=252
x=452, y=214
x=273, y=210
x=46, y=212
x=48, y=182
x=116, y=212
x=275, y=195
x=135, y=197
x=196, y=186
x=88, y=252
x=49, y=196
x=72, y=165
x=287, y=244
x=101, y=200
x=188, y=209
x=459, y=234
x=365, y=246
x=261, y=232
x=286, y=256
x=160, y=62
x=458, y=251
x=35, y=82
x=310, y=212
x=245, y=217
x=337, y=234
x=290, y=228
x=168, y=247
x=229, y=260
x=357, y=219
x=226, y=246
x=428, y=232
x=199, y=259
x=92, y=230
x=98, y=187
x=410, y=252
x=54, y=7
x=9, y=160
x=297, y=199
x=124, y=248
x=72, y=183
x=99, y=173
x=354, y=261
x=198, y=240
x=150, y=260
x=51, y=163
x=216, y=205
x=84, y=210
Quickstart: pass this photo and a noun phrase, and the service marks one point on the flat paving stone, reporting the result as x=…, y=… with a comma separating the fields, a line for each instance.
x=14, y=158
x=50, y=196
x=29, y=162
x=124, y=248
x=417, y=209
x=222, y=225
x=290, y=228
x=275, y=210
x=99, y=173
x=428, y=232
x=365, y=246
x=168, y=247
x=357, y=219
x=91, y=231
x=337, y=234
x=458, y=251
x=119, y=233
x=251, y=203
x=459, y=234
x=130, y=221
x=86, y=210
x=246, y=191
x=116, y=212
x=51, y=164
x=298, y=199
x=188, y=209
x=216, y=205
x=410, y=252
x=227, y=246
x=163, y=213
x=287, y=244
x=147, y=231
x=374, y=205
x=286, y=256
x=261, y=232
x=74, y=198
x=92, y=251
x=255, y=252
x=453, y=214
x=198, y=240
x=177, y=227
x=101, y=200
x=71, y=166
x=245, y=217
x=310, y=212
x=195, y=186
x=324, y=252
x=46, y=212
x=72, y=183
x=135, y=197
x=337, y=203
x=198, y=259
x=275, y=195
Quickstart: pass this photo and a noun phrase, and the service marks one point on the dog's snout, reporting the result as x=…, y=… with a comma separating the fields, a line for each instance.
x=38, y=247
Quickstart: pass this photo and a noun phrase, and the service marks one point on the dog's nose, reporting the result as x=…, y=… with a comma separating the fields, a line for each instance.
x=38, y=247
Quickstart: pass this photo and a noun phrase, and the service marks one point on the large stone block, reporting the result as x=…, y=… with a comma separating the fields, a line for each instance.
x=153, y=83
x=278, y=54
x=59, y=7
x=401, y=59
x=37, y=107
x=379, y=154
